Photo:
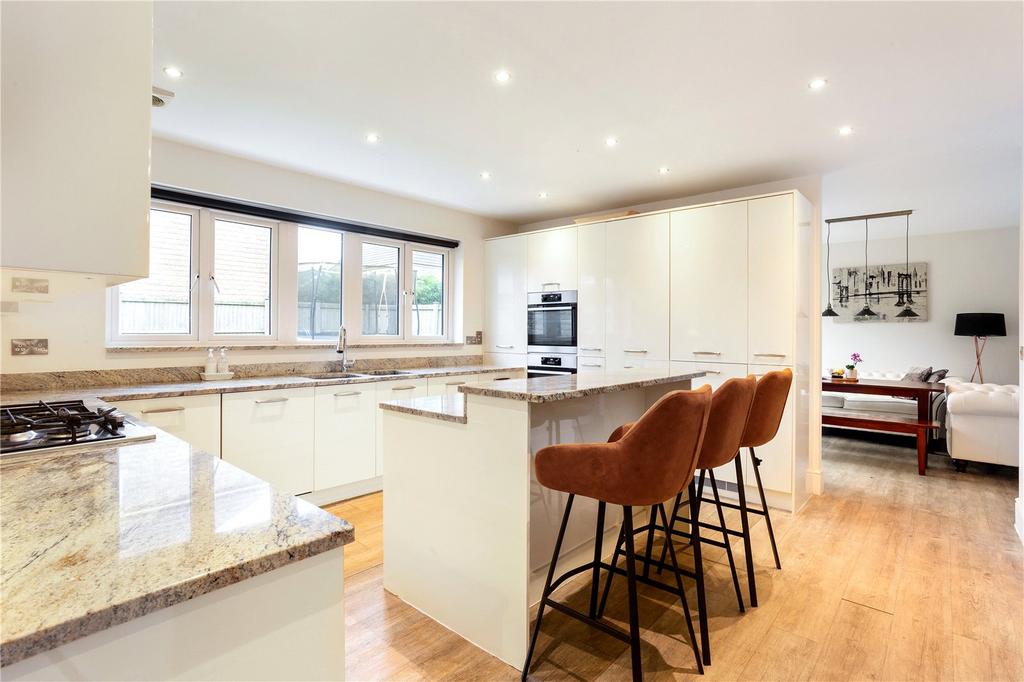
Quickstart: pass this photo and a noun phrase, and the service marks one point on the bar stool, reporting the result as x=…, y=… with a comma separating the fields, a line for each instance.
x=644, y=467
x=730, y=406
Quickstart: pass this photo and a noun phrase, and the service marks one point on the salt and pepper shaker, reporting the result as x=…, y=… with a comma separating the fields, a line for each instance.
x=222, y=361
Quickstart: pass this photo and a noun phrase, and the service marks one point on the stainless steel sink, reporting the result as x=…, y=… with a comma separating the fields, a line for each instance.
x=334, y=375
x=384, y=372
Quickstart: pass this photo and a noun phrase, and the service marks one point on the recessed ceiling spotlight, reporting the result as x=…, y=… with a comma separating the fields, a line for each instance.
x=372, y=138
x=485, y=175
x=542, y=195
x=611, y=141
x=663, y=170
x=845, y=130
x=502, y=76
x=817, y=83
x=173, y=71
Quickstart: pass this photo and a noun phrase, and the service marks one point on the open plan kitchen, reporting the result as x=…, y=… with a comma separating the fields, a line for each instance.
x=444, y=364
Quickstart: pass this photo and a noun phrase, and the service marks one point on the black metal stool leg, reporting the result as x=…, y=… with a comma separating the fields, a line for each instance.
x=682, y=593
x=698, y=568
x=650, y=541
x=725, y=540
x=634, y=611
x=598, y=543
x=547, y=586
x=669, y=527
x=745, y=523
x=764, y=505
x=611, y=574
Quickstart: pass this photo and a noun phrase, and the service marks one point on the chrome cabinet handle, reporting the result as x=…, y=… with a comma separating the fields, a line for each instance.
x=402, y=388
x=548, y=309
x=770, y=355
x=634, y=350
x=591, y=349
x=711, y=371
x=591, y=364
x=160, y=410
x=270, y=401
x=347, y=394
x=501, y=346
x=547, y=284
x=455, y=383
x=707, y=352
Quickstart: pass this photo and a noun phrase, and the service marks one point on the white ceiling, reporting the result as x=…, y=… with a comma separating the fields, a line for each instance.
x=715, y=91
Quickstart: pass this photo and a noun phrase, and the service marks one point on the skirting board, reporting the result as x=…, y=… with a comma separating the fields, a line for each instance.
x=1019, y=507
x=341, y=493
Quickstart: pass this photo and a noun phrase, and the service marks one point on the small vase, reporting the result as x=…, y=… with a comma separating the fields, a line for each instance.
x=851, y=373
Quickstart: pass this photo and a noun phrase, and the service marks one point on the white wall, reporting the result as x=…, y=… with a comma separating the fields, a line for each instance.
x=73, y=316
x=972, y=271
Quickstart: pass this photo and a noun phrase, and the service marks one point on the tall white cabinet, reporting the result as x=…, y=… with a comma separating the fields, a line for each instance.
x=505, y=295
x=590, y=298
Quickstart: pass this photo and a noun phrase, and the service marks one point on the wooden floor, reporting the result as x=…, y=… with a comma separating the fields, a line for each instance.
x=888, y=576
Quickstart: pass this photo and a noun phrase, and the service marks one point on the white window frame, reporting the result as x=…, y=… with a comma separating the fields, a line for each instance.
x=294, y=329
x=113, y=299
x=353, y=304
x=207, y=282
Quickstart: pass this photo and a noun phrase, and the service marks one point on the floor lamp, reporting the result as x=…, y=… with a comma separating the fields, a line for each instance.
x=980, y=326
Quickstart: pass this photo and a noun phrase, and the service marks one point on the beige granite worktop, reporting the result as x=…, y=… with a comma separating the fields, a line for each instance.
x=452, y=408
x=174, y=390
x=97, y=537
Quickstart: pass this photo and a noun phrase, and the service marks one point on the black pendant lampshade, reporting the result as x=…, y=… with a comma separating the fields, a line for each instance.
x=908, y=310
x=866, y=311
x=829, y=312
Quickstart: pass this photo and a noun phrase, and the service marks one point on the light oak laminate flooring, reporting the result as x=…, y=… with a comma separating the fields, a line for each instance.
x=888, y=576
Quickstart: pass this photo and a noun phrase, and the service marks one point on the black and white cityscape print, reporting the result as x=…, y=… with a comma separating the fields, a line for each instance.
x=888, y=288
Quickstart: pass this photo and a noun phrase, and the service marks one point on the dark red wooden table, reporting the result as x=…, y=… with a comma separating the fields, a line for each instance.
x=920, y=391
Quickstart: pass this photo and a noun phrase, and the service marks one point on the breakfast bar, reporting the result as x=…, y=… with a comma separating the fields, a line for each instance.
x=468, y=531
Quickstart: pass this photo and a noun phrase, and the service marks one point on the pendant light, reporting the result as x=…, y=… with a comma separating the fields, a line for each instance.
x=908, y=311
x=829, y=312
x=866, y=311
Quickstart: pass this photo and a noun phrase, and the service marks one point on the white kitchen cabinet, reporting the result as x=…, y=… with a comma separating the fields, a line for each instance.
x=551, y=263
x=77, y=81
x=518, y=373
x=510, y=360
x=590, y=305
x=450, y=385
x=195, y=418
x=709, y=283
x=344, y=434
x=717, y=374
x=771, y=296
x=270, y=434
x=590, y=364
x=505, y=295
x=637, y=292
x=399, y=389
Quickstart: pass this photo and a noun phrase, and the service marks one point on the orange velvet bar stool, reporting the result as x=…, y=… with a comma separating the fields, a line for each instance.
x=646, y=466
x=730, y=406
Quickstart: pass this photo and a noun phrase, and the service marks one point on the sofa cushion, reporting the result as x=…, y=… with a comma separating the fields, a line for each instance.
x=937, y=376
x=983, y=399
x=832, y=399
x=917, y=374
x=880, y=403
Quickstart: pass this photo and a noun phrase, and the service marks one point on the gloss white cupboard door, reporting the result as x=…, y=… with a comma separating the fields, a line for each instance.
x=709, y=283
x=771, y=300
x=551, y=260
x=449, y=385
x=270, y=435
x=505, y=295
x=717, y=374
x=637, y=292
x=344, y=435
x=398, y=389
x=194, y=418
x=777, y=457
x=585, y=365
x=590, y=306
x=76, y=137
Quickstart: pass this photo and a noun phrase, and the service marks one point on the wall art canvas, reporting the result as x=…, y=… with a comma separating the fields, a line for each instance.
x=887, y=288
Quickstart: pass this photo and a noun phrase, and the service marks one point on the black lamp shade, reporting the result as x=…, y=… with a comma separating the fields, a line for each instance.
x=980, y=324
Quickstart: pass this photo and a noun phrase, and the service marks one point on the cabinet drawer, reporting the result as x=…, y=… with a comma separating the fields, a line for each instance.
x=400, y=389
x=589, y=364
x=344, y=435
x=270, y=435
x=194, y=418
x=449, y=385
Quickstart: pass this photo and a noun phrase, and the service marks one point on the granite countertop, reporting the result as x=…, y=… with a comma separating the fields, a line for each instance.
x=452, y=408
x=174, y=390
x=93, y=538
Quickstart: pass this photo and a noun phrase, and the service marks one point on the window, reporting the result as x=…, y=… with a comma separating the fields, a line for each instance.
x=241, y=278
x=319, y=283
x=163, y=303
x=404, y=290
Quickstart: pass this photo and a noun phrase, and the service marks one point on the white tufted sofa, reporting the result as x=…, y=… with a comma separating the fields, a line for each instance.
x=981, y=422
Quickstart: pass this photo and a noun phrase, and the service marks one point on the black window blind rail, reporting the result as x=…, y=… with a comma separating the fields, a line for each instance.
x=214, y=202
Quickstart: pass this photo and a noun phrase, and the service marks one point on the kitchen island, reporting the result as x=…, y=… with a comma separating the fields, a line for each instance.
x=154, y=560
x=468, y=531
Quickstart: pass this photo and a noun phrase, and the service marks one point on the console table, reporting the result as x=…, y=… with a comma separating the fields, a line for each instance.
x=921, y=426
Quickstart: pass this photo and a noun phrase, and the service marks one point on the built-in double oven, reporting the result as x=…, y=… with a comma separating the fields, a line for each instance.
x=551, y=333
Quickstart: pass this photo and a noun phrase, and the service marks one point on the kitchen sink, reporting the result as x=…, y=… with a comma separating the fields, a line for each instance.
x=384, y=372
x=334, y=375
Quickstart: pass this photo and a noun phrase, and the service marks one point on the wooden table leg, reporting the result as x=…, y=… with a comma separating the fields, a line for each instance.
x=923, y=415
